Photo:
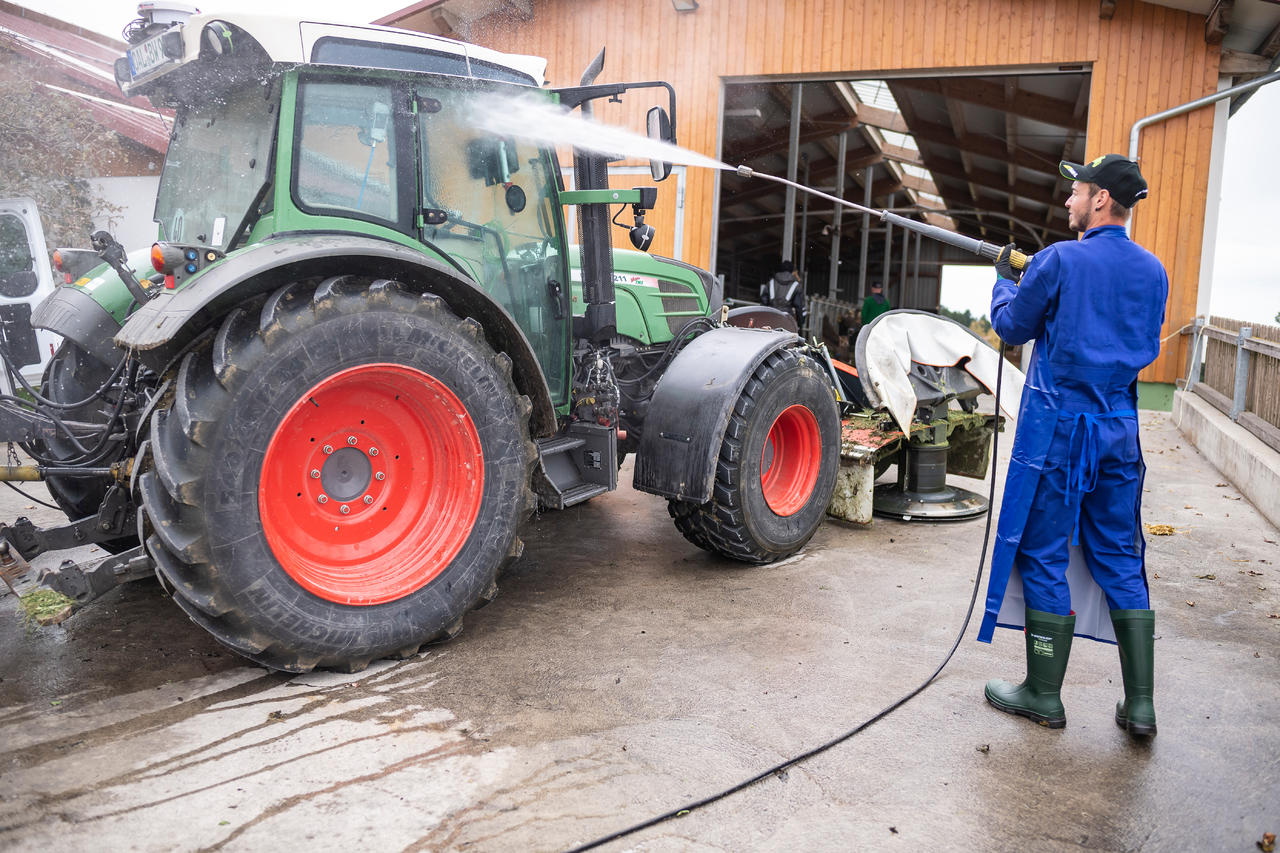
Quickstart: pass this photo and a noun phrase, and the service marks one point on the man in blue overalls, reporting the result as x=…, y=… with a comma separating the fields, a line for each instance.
x=1094, y=308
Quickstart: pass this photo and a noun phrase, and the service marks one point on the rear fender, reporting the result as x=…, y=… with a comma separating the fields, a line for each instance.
x=161, y=329
x=691, y=408
x=77, y=316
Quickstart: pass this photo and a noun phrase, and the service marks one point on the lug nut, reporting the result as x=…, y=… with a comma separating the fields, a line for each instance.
x=379, y=476
x=344, y=509
x=324, y=499
x=315, y=473
x=328, y=448
x=351, y=439
x=373, y=451
x=368, y=499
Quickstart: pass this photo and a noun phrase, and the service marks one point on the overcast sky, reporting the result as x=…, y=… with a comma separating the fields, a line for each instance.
x=1246, y=279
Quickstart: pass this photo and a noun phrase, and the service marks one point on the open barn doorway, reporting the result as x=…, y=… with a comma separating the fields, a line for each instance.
x=976, y=154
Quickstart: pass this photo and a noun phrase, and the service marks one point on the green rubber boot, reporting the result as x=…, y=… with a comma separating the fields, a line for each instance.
x=1136, y=636
x=1037, y=697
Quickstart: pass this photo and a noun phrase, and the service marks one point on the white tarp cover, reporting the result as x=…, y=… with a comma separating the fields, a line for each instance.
x=898, y=338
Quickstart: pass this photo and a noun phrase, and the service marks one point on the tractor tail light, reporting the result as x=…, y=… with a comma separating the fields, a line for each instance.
x=58, y=265
x=166, y=257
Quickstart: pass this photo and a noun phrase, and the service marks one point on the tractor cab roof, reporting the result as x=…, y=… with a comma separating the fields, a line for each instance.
x=163, y=45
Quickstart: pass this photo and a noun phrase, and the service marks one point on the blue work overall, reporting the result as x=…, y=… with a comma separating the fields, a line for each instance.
x=1094, y=308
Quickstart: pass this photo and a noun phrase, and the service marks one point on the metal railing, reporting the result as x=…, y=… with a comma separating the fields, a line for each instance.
x=1240, y=374
x=824, y=311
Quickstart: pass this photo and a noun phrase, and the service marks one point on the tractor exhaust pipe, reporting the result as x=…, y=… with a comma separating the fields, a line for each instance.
x=591, y=172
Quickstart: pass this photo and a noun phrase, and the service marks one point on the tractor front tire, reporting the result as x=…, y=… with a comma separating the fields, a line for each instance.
x=340, y=476
x=777, y=467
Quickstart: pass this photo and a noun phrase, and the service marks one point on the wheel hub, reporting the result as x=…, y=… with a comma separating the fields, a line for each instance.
x=346, y=474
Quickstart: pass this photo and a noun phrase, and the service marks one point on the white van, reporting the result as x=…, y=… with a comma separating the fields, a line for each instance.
x=26, y=278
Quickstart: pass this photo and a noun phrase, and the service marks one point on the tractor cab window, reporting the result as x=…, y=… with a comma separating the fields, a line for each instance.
x=345, y=156
x=218, y=159
x=489, y=203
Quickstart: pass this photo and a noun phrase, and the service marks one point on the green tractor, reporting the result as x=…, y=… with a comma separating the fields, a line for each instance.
x=368, y=353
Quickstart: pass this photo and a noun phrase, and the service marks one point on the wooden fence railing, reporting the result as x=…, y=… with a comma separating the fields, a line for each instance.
x=1240, y=374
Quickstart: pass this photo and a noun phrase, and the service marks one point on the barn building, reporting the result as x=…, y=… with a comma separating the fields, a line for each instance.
x=954, y=112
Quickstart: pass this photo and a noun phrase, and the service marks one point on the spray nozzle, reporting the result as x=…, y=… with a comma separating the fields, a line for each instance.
x=745, y=172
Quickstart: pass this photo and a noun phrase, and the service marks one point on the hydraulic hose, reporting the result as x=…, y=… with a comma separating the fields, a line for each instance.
x=690, y=807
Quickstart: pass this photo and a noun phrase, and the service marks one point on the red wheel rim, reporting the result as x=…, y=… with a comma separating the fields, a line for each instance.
x=791, y=460
x=371, y=484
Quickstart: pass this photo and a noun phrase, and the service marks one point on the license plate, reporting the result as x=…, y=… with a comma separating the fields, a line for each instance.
x=146, y=57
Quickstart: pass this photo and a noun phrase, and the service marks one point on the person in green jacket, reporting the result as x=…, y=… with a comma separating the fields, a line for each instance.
x=875, y=304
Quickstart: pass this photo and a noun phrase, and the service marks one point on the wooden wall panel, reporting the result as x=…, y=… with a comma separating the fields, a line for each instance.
x=1145, y=59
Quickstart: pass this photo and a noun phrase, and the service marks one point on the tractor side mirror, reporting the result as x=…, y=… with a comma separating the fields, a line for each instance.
x=658, y=125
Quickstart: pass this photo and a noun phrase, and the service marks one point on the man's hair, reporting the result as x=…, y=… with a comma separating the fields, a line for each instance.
x=1118, y=210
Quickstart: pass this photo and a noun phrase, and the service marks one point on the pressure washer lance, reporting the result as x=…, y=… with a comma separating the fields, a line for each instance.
x=990, y=251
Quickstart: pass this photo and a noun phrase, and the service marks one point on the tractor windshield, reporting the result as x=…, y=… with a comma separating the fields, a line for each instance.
x=218, y=159
x=490, y=201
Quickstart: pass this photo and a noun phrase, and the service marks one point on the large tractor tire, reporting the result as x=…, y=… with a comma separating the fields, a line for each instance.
x=777, y=467
x=71, y=376
x=339, y=477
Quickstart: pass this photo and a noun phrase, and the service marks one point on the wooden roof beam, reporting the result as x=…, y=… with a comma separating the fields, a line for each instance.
x=879, y=188
x=1058, y=226
x=942, y=135
x=983, y=93
x=1270, y=47
x=1236, y=62
x=882, y=118
x=816, y=173
x=1218, y=21
x=922, y=185
x=994, y=182
x=898, y=154
x=778, y=139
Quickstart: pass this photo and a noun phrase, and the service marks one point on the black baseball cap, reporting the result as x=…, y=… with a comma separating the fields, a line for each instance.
x=1115, y=174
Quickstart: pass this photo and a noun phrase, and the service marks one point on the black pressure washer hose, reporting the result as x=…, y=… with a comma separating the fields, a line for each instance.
x=865, y=724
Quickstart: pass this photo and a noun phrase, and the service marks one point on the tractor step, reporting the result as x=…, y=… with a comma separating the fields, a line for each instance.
x=561, y=444
x=578, y=494
x=576, y=465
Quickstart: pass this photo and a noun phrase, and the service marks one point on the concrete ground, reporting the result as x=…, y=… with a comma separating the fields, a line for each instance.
x=623, y=673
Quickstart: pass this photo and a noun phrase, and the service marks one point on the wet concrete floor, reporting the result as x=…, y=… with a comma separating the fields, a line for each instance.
x=622, y=673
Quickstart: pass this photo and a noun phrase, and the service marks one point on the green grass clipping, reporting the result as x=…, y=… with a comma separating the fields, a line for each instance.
x=45, y=607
